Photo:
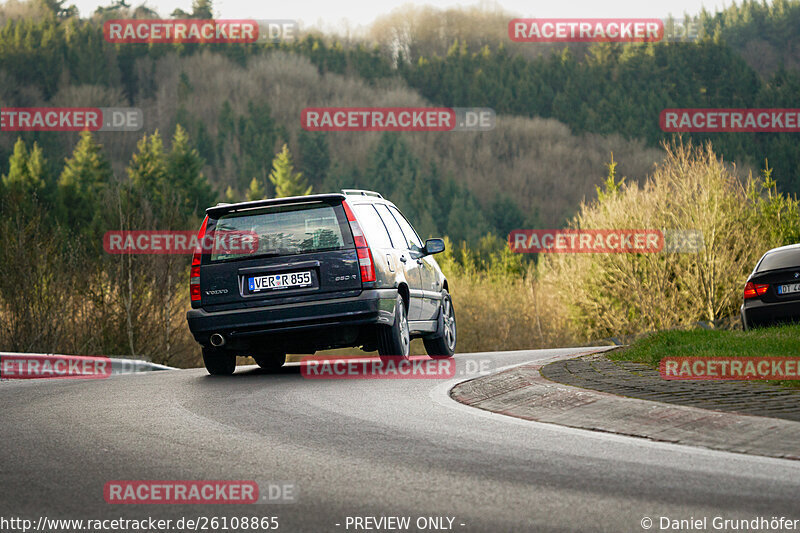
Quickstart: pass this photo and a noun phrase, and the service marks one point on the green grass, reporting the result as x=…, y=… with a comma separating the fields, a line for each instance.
x=781, y=341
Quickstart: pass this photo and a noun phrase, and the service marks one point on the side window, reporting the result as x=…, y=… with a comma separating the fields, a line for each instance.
x=372, y=226
x=414, y=242
x=398, y=239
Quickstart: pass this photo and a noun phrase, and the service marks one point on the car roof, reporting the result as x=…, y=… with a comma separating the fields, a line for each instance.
x=781, y=248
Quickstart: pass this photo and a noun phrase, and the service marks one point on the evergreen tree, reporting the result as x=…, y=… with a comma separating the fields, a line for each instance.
x=315, y=159
x=26, y=173
x=230, y=195
x=465, y=221
x=505, y=215
x=87, y=173
x=147, y=172
x=23, y=188
x=255, y=191
x=284, y=178
x=185, y=170
x=394, y=172
x=257, y=134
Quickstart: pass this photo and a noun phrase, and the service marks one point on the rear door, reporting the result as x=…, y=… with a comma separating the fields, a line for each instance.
x=301, y=251
x=405, y=261
x=384, y=256
x=430, y=288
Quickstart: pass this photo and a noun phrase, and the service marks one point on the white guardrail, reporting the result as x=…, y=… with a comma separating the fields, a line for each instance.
x=17, y=361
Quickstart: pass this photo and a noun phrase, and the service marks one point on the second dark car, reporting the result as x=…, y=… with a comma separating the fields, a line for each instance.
x=772, y=291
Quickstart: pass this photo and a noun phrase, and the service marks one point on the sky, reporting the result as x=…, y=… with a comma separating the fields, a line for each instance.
x=342, y=14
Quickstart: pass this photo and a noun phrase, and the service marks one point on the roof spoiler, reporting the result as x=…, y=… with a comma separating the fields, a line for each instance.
x=222, y=208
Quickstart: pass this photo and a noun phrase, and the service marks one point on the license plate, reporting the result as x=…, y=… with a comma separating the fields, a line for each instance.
x=789, y=289
x=279, y=281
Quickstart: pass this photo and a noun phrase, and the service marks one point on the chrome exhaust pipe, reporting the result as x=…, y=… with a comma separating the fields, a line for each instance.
x=217, y=340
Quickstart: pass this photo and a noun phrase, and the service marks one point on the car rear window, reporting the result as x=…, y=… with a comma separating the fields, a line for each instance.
x=780, y=259
x=284, y=230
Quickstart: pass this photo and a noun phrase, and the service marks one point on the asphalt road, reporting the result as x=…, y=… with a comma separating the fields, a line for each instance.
x=357, y=448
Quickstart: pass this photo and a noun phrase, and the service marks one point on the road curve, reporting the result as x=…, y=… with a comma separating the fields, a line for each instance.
x=358, y=448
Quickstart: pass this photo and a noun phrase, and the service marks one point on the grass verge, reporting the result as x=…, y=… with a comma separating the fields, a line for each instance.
x=780, y=341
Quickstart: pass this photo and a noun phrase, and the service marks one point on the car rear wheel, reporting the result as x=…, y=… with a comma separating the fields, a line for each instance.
x=443, y=343
x=270, y=361
x=396, y=339
x=219, y=363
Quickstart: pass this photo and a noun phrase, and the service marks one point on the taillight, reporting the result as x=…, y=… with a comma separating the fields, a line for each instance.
x=751, y=290
x=194, y=275
x=365, y=262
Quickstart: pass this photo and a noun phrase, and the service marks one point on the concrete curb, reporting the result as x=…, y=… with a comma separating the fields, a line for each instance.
x=522, y=392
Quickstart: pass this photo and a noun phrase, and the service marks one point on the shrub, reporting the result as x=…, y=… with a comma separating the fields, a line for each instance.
x=692, y=189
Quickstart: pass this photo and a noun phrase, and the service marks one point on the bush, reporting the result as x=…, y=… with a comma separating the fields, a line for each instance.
x=613, y=294
x=498, y=303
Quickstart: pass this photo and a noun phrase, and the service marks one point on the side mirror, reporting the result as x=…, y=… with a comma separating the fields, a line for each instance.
x=433, y=246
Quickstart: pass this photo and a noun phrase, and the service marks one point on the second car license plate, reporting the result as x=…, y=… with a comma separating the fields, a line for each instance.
x=279, y=281
x=788, y=289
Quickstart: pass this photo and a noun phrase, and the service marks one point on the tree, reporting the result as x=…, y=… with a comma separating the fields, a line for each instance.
x=185, y=170
x=504, y=214
x=465, y=222
x=148, y=171
x=284, y=178
x=230, y=195
x=255, y=192
x=394, y=171
x=85, y=176
x=315, y=158
x=202, y=9
x=57, y=8
x=257, y=133
x=26, y=172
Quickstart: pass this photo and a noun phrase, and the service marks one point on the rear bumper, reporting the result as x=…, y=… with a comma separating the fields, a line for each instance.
x=372, y=306
x=756, y=313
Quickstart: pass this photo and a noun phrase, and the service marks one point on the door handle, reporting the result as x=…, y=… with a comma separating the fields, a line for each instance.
x=403, y=258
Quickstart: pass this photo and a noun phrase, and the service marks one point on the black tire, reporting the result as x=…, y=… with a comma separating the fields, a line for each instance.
x=395, y=339
x=443, y=342
x=271, y=362
x=218, y=362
